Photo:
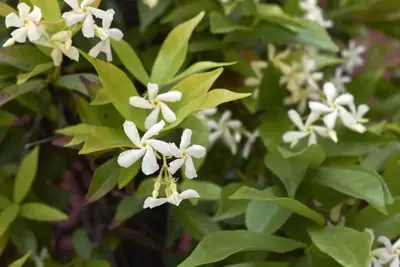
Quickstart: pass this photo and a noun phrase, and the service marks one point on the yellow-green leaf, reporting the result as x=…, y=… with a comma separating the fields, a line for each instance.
x=39, y=69
x=6, y=118
x=50, y=9
x=20, y=262
x=42, y=212
x=217, y=97
x=7, y=216
x=16, y=90
x=104, y=180
x=126, y=175
x=6, y=9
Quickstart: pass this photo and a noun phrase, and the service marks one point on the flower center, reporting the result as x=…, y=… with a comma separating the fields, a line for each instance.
x=395, y=251
x=26, y=22
x=85, y=10
x=144, y=144
x=308, y=129
x=156, y=103
x=184, y=154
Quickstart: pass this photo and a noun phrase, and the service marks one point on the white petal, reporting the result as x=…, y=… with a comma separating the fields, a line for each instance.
x=154, y=130
x=95, y=51
x=210, y=111
x=23, y=10
x=382, y=254
x=225, y=117
x=395, y=262
x=35, y=15
x=152, y=202
x=212, y=125
x=330, y=119
x=214, y=137
x=56, y=55
x=20, y=35
x=116, y=34
x=12, y=20
x=185, y=139
x=296, y=119
x=71, y=18
x=362, y=110
x=312, y=139
x=332, y=135
x=152, y=118
x=319, y=107
x=330, y=92
x=108, y=19
x=72, y=53
x=173, y=96
x=229, y=141
x=293, y=136
x=386, y=242
x=86, y=3
x=9, y=42
x=160, y=146
x=313, y=117
x=174, y=150
x=347, y=119
x=132, y=132
x=322, y=131
x=167, y=113
x=62, y=36
x=140, y=102
x=190, y=170
x=252, y=82
x=152, y=90
x=88, y=26
x=175, y=165
x=345, y=99
x=73, y=4
x=107, y=50
x=189, y=193
x=98, y=13
x=129, y=157
x=149, y=163
x=197, y=151
x=234, y=124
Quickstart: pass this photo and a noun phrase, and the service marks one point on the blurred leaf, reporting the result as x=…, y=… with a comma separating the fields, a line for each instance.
x=26, y=175
x=74, y=82
x=6, y=118
x=39, y=69
x=260, y=264
x=7, y=216
x=20, y=262
x=104, y=180
x=50, y=9
x=82, y=244
x=126, y=175
x=131, y=60
x=23, y=57
x=272, y=197
x=271, y=89
x=6, y=9
x=128, y=207
x=390, y=174
x=206, y=190
x=229, y=207
x=347, y=246
x=79, y=129
x=148, y=15
x=3, y=243
x=14, y=91
x=4, y=202
x=219, y=24
x=22, y=237
x=219, y=245
x=42, y=212
x=173, y=51
x=188, y=10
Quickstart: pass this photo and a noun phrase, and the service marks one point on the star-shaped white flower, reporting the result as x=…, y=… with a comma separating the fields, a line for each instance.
x=226, y=129
x=307, y=129
x=83, y=12
x=150, y=3
x=301, y=98
x=340, y=80
x=390, y=254
x=311, y=77
x=254, y=81
x=174, y=199
x=277, y=59
x=334, y=107
x=292, y=76
x=27, y=22
x=184, y=155
x=314, y=13
x=105, y=34
x=156, y=103
x=146, y=147
x=61, y=43
x=358, y=114
x=352, y=56
x=249, y=143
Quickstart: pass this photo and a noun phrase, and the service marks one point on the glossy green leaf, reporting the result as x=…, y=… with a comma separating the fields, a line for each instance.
x=79, y=129
x=119, y=89
x=23, y=57
x=42, y=212
x=20, y=262
x=39, y=69
x=126, y=175
x=130, y=60
x=173, y=51
x=219, y=245
x=6, y=9
x=14, y=91
x=220, y=24
x=229, y=207
x=4, y=202
x=50, y=9
x=217, y=97
x=187, y=10
x=347, y=246
x=75, y=82
x=355, y=183
x=284, y=202
x=104, y=180
x=7, y=216
x=101, y=98
x=128, y=207
x=207, y=190
x=6, y=118
x=148, y=15
x=26, y=175
x=260, y=264
x=82, y=244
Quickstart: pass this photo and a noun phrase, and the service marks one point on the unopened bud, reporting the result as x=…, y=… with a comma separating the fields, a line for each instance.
x=9, y=42
x=156, y=189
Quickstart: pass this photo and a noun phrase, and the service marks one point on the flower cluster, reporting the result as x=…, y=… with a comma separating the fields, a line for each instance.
x=388, y=255
x=30, y=26
x=314, y=13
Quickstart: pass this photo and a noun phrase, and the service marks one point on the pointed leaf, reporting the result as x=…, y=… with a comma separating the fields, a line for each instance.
x=50, y=9
x=20, y=262
x=42, y=212
x=24, y=57
x=217, y=97
x=82, y=244
x=39, y=69
x=6, y=118
x=126, y=175
x=104, y=180
x=7, y=216
x=16, y=90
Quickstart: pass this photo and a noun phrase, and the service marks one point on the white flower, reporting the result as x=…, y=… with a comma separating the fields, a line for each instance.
x=249, y=143
x=26, y=22
x=388, y=254
x=310, y=76
x=314, y=13
x=254, y=81
x=277, y=59
x=61, y=43
x=83, y=12
x=184, y=155
x=352, y=56
x=105, y=34
x=334, y=107
x=150, y=3
x=174, y=199
x=358, y=114
x=146, y=147
x=340, y=80
x=156, y=103
x=307, y=129
x=9, y=42
x=227, y=129
x=293, y=76
x=203, y=114
x=301, y=97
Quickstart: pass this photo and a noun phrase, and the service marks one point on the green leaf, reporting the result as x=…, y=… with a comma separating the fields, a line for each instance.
x=347, y=246
x=79, y=129
x=273, y=128
x=3, y=243
x=199, y=67
x=16, y=90
x=104, y=180
x=195, y=222
x=126, y=175
x=119, y=89
x=6, y=118
x=230, y=208
x=6, y=9
x=356, y=183
x=220, y=24
x=148, y=15
x=173, y=51
x=74, y=82
x=26, y=175
x=188, y=10
x=271, y=89
x=128, y=207
x=217, y=246
x=82, y=244
x=50, y=9
x=207, y=190
x=313, y=155
x=42, y=212
x=130, y=60
x=260, y=264
x=101, y=98
x=20, y=262
x=217, y=97
x=39, y=69
x=24, y=57
x=4, y=202
x=7, y=216
x=97, y=263
x=284, y=202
